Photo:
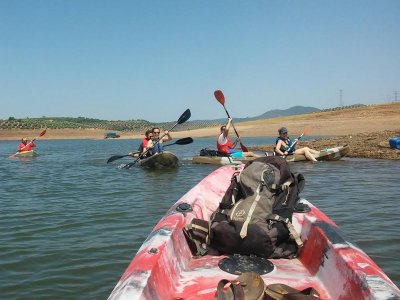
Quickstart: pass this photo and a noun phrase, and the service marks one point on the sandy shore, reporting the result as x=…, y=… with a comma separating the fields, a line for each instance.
x=362, y=128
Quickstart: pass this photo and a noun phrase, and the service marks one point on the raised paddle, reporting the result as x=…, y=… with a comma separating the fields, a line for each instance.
x=182, y=119
x=221, y=99
x=305, y=132
x=183, y=141
x=41, y=134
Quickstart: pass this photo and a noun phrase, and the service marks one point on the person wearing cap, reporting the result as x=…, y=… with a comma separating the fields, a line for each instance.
x=225, y=146
x=285, y=146
x=25, y=146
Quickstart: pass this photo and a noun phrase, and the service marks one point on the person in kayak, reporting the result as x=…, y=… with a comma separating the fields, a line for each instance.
x=153, y=145
x=148, y=135
x=225, y=146
x=25, y=146
x=285, y=146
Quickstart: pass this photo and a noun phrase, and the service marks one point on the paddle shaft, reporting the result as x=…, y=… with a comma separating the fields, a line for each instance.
x=219, y=95
x=294, y=144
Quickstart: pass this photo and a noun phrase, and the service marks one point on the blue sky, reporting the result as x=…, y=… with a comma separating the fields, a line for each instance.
x=122, y=60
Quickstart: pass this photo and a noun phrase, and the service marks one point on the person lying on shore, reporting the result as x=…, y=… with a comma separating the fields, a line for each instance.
x=25, y=146
x=285, y=146
x=225, y=146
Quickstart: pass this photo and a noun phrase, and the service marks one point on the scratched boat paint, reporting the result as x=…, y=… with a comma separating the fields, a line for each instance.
x=165, y=269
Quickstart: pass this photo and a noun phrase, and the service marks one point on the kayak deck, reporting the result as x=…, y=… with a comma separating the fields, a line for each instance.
x=29, y=153
x=164, y=267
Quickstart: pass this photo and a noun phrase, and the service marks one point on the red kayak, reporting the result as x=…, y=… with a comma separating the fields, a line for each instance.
x=164, y=267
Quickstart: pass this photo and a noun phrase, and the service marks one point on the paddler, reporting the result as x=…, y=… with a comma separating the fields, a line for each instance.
x=25, y=146
x=285, y=146
x=148, y=135
x=225, y=146
x=157, y=147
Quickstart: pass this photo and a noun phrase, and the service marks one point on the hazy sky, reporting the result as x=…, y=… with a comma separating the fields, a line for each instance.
x=121, y=60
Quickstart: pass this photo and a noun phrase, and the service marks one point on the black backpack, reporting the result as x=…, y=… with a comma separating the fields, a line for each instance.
x=254, y=216
x=209, y=152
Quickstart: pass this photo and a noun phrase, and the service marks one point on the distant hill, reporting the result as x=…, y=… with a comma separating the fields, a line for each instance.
x=141, y=125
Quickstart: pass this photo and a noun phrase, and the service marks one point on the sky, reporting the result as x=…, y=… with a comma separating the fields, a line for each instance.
x=153, y=59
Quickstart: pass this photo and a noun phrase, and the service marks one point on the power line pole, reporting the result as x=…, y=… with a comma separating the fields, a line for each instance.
x=395, y=95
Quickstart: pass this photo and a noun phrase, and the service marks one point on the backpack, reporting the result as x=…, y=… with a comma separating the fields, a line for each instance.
x=209, y=152
x=254, y=216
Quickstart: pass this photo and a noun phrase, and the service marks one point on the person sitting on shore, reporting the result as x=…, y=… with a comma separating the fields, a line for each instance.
x=225, y=146
x=148, y=135
x=157, y=147
x=25, y=146
x=285, y=146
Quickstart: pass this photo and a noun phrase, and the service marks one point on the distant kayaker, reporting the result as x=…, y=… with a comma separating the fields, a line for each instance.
x=25, y=146
x=285, y=146
x=225, y=146
x=148, y=135
x=157, y=147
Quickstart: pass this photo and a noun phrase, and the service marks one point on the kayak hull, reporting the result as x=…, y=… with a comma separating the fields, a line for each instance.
x=164, y=267
x=163, y=160
x=219, y=160
x=330, y=154
x=30, y=153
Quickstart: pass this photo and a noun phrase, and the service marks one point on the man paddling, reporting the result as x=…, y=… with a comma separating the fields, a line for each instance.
x=157, y=147
x=25, y=146
x=225, y=146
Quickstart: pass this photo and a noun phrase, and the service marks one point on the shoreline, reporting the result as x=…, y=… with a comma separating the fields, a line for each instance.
x=365, y=129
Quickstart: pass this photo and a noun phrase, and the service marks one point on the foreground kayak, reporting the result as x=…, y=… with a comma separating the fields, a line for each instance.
x=30, y=153
x=159, y=161
x=164, y=267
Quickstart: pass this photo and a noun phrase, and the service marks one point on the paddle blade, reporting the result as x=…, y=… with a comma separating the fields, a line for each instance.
x=184, y=141
x=243, y=147
x=219, y=96
x=12, y=156
x=184, y=117
x=115, y=157
x=43, y=132
x=306, y=131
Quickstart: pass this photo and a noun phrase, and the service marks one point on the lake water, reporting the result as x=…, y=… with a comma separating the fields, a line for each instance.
x=70, y=223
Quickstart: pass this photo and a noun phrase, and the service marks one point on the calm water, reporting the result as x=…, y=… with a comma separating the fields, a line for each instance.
x=70, y=223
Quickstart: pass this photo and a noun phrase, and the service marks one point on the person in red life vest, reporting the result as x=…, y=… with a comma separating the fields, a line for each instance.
x=25, y=146
x=148, y=135
x=225, y=146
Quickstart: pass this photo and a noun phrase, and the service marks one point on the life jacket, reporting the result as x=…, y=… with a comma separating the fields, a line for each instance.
x=285, y=146
x=27, y=147
x=224, y=148
x=158, y=148
x=254, y=216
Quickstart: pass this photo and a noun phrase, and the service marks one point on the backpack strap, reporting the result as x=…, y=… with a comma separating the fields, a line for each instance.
x=243, y=231
x=292, y=231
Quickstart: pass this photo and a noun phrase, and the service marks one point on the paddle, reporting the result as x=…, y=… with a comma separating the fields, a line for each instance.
x=182, y=119
x=221, y=99
x=305, y=132
x=183, y=141
x=41, y=134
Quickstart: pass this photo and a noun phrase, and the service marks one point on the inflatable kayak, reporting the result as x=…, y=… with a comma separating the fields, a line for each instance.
x=328, y=154
x=164, y=266
x=159, y=161
x=219, y=160
x=30, y=153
